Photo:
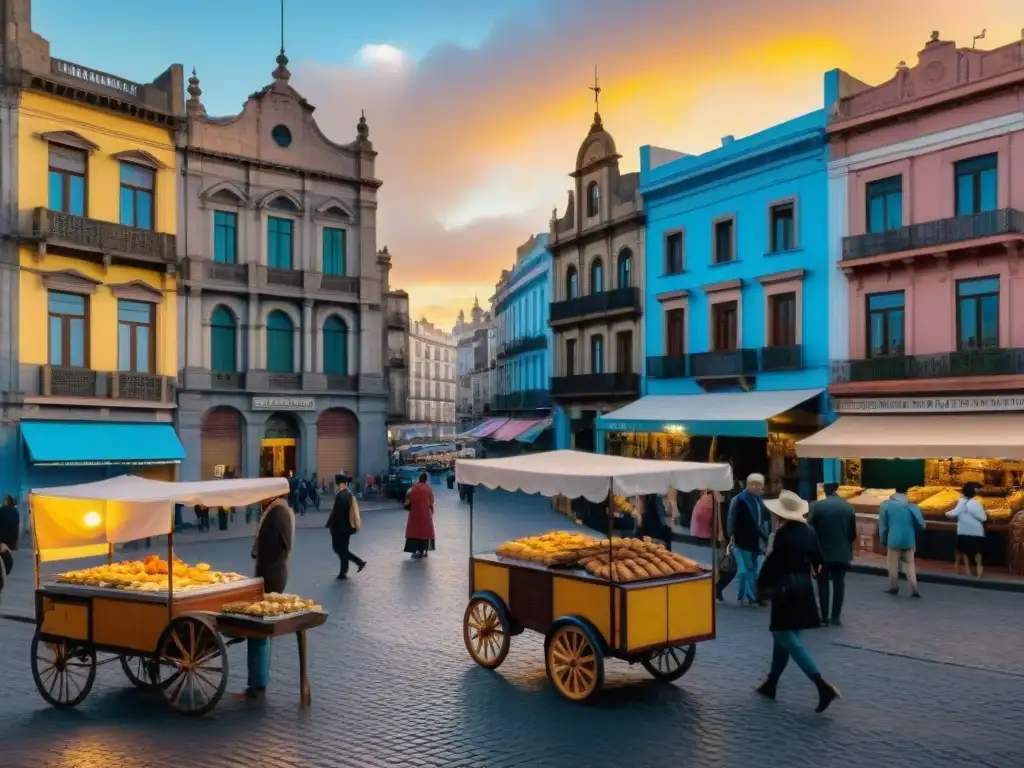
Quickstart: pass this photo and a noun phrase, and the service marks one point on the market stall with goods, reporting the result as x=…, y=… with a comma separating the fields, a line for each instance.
x=620, y=597
x=168, y=623
x=926, y=454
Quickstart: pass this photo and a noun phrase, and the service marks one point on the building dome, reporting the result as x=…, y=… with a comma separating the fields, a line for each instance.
x=599, y=145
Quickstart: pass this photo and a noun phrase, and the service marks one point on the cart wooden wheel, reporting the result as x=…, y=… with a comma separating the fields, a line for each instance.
x=63, y=671
x=574, y=661
x=142, y=671
x=486, y=632
x=193, y=665
x=668, y=664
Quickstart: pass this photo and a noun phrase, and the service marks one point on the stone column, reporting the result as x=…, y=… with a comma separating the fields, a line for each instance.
x=196, y=341
x=308, y=331
x=253, y=436
x=255, y=361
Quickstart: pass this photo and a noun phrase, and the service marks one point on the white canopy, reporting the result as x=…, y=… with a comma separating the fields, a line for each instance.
x=592, y=476
x=83, y=520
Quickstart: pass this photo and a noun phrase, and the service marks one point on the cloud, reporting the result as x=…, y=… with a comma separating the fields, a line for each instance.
x=485, y=138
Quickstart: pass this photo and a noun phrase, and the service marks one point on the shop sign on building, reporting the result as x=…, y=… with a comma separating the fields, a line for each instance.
x=94, y=77
x=284, y=403
x=912, y=405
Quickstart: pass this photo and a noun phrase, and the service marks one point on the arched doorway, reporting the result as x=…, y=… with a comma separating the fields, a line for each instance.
x=337, y=433
x=220, y=434
x=279, y=449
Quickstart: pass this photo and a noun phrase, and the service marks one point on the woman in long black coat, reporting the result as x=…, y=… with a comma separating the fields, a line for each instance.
x=785, y=577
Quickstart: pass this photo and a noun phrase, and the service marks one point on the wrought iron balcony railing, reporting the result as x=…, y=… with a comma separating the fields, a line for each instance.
x=667, y=367
x=974, y=362
x=789, y=358
x=938, y=233
x=522, y=345
x=596, y=385
x=723, y=364
x=595, y=304
x=106, y=237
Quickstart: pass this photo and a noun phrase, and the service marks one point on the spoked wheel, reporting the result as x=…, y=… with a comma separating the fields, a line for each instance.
x=486, y=633
x=142, y=671
x=63, y=671
x=668, y=664
x=575, y=663
x=193, y=663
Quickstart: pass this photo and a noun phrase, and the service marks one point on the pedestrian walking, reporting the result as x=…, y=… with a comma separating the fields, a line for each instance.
x=10, y=536
x=702, y=520
x=271, y=550
x=748, y=526
x=343, y=522
x=202, y=517
x=419, y=528
x=723, y=552
x=293, y=490
x=785, y=578
x=970, y=529
x=835, y=522
x=898, y=524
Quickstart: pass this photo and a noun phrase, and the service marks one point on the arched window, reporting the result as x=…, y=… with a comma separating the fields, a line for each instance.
x=572, y=283
x=625, y=268
x=335, y=346
x=597, y=354
x=223, y=341
x=596, y=276
x=593, y=199
x=280, y=343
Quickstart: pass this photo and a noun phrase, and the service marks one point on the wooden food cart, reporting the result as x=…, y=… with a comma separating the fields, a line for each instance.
x=584, y=617
x=171, y=641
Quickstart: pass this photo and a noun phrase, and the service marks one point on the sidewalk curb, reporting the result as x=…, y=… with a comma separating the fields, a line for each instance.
x=950, y=580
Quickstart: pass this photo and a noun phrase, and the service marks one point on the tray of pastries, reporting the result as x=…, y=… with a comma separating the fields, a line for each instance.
x=273, y=607
x=150, y=575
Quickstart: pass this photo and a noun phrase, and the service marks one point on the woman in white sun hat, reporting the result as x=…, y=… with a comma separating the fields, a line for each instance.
x=786, y=578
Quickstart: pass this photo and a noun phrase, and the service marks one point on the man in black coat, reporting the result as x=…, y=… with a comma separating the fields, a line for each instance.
x=835, y=522
x=271, y=551
x=340, y=525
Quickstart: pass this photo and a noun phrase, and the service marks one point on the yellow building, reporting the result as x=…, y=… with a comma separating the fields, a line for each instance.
x=97, y=318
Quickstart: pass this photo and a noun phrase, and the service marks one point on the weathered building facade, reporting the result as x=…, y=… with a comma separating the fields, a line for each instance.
x=283, y=290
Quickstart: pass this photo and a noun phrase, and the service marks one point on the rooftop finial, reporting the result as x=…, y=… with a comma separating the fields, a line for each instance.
x=596, y=88
x=362, y=129
x=282, y=73
x=194, y=106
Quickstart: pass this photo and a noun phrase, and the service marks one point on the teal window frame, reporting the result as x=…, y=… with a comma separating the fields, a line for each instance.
x=225, y=237
x=280, y=343
x=280, y=243
x=335, y=346
x=334, y=247
x=223, y=341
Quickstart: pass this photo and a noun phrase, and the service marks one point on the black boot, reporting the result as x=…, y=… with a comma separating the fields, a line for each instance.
x=768, y=687
x=827, y=693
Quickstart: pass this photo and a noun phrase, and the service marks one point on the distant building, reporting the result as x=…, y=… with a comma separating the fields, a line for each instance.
x=464, y=333
x=396, y=322
x=432, y=379
x=524, y=349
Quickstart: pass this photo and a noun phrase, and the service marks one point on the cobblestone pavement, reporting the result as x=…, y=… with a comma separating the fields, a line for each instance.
x=934, y=682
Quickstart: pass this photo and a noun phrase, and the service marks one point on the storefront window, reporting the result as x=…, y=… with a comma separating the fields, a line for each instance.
x=885, y=324
x=977, y=313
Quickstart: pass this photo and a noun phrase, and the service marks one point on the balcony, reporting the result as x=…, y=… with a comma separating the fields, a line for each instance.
x=937, y=234
x=398, y=320
x=666, y=367
x=78, y=233
x=947, y=365
x=790, y=358
x=591, y=385
x=621, y=301
x=723, y=364
x=226, y=380
x=523, y=400
x=339, y=284
x=59, y=382
x=284, y=278
x=214, y=274
x=522, y=345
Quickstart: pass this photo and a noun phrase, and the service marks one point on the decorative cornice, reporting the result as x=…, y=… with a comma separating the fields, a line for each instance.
x=69, y=281
x=265, y=165
x=782, y=277
x=69, y=139
x=682, y=293
x=725, y=285
x=140, y=157
x=136, y=290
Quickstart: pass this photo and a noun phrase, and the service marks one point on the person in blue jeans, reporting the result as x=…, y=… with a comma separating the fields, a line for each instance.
x=748, y=525
x=271, y=551
x=786, y=577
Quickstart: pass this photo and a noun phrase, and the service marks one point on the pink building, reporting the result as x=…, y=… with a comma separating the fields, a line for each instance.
x=926, y=219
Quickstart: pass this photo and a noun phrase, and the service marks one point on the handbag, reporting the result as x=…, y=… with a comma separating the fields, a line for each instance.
x=727, y=561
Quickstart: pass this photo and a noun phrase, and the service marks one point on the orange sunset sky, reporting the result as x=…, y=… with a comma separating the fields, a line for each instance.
x=478, y=109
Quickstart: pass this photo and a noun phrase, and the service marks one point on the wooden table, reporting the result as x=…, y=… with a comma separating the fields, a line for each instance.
x=240, y=627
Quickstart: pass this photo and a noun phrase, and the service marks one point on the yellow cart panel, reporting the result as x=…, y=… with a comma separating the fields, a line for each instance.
x=691, y=610
x=491, y=578
x=128, y=624
x=587, y=599
x=65, y=619
x=646, y=617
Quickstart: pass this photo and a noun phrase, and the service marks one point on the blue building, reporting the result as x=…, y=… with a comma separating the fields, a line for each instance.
x=737, y=291
x=524, y=347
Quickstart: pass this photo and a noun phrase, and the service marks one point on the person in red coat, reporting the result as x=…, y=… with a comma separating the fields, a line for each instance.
x=419, y=529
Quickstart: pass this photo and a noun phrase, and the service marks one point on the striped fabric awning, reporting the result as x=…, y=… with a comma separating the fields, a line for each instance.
x=488, y=428
x=512, y=429
x=531, y=435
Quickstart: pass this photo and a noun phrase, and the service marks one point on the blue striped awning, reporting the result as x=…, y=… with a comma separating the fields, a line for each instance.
x=99, y=443
x=531, y=435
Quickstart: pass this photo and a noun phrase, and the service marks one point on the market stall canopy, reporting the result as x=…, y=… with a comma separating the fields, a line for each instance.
x=723, y=414
x=531, y=435
x=574, y=474
x=57, y=443
x=513, y=428
x=975, y=436
x=487, y=428
x=83, y=520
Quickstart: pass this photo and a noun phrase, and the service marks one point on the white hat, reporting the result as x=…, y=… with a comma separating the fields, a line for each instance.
x=788, y=506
